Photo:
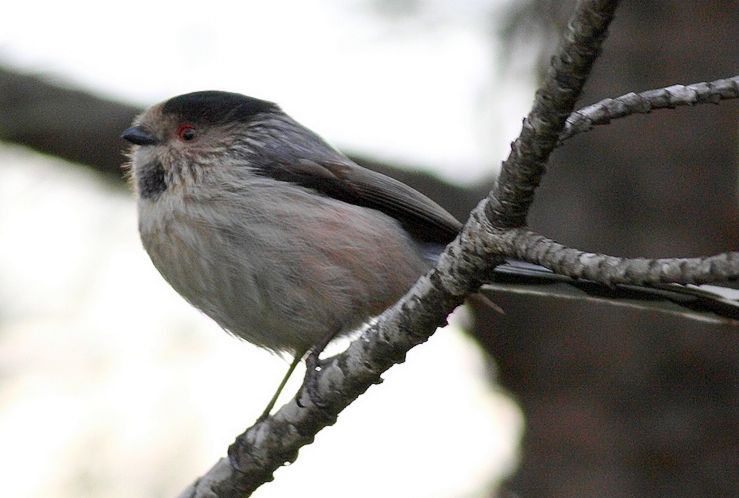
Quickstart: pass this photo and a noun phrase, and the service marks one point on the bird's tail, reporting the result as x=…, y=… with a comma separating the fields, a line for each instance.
x=699, y=302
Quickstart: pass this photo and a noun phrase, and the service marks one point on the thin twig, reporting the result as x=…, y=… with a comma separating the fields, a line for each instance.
x=603, y=112
x=610, y=270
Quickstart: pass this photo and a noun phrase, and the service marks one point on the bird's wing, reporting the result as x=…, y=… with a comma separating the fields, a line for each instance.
x=349, y=182
x=705, y=302
x=428, y=222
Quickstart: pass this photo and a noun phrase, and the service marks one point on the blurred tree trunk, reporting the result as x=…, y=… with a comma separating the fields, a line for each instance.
x=64, y=122
x=618, y=403
x=84, y=128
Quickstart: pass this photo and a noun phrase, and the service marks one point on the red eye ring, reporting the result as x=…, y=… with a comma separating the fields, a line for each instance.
x=186, y=132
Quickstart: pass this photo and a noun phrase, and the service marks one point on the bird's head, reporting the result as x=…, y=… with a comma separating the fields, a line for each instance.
x=180, y=141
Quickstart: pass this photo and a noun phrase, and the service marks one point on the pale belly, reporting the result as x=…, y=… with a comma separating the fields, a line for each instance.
x=281, y=279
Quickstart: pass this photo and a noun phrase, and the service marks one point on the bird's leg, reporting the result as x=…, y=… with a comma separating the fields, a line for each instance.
x=312, y=363
x=291, y=368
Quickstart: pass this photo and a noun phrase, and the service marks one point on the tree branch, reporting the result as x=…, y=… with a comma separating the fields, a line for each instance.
x=603, y=112
x=521, y=173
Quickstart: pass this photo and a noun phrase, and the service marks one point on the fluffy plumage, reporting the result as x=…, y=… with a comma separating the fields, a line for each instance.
x=239, y=229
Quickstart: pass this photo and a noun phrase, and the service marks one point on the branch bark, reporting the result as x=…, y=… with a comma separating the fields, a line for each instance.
x=521, y=173
x=605, y=111
x=611, y=270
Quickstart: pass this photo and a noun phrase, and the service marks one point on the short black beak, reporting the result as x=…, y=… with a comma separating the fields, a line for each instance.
x=139, y=136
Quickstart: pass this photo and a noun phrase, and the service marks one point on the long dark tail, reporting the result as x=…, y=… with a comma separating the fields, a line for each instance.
x=705, y=302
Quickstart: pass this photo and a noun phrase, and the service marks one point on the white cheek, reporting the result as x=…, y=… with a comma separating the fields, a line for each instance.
x=144, y=155
x=141, y=157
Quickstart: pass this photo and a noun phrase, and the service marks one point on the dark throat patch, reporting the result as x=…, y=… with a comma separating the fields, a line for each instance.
x=151, y=180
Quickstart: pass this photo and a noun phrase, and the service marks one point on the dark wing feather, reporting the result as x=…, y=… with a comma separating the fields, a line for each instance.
x=349, y=182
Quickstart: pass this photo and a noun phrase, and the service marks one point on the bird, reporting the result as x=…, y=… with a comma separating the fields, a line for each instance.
x=287, y=243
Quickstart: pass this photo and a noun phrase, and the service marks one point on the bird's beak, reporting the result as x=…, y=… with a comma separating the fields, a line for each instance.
x=139, y=136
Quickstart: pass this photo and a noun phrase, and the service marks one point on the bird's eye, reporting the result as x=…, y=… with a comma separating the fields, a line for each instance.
x=186, y=132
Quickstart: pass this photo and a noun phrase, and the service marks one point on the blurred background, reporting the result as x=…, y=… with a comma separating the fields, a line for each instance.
x=112, y=386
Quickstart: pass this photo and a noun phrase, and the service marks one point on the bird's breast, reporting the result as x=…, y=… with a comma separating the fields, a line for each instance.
x=279, y=267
